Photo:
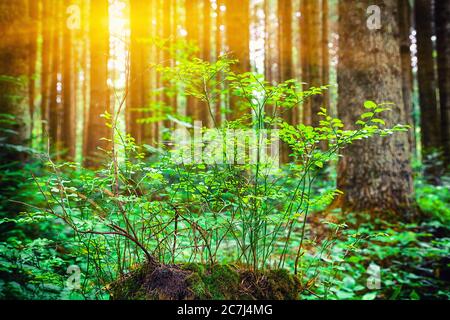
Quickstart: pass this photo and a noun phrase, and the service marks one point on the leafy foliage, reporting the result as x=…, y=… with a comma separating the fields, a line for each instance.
x=145, y=205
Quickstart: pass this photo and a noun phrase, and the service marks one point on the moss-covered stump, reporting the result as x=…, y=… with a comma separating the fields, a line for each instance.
x=198, y=282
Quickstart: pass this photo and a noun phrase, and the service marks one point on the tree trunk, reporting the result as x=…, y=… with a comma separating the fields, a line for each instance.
x=138, y=95
x=405, y=17
x=34, y=26
x=99, y=93
x=68, y=127
x=193, y=35
x=85, y=66
x=375, y=175
x=429, y=116
x=285, y=60
x=219, y=43
x=325, y=52
x=304, y=56
x=443, y=48
x=206, y=49
x=285, y=40
x=315, y=58
x=47, y=58
x=204, y=114
x=157, y=56
x=272, y=37
x=237, y=20
x=14, y=70
x=54, y=103
x=167, y=34
x=174, y=40
x=267, y=42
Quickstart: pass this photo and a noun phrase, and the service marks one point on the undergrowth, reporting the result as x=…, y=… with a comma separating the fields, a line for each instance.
x=80, y=230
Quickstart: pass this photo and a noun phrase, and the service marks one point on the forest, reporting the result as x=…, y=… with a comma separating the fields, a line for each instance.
x=224, y=150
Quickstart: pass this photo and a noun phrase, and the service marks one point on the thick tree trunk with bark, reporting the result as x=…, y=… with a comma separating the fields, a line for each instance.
x=426, y=77
x=68, y=127
x=405, y=22
x=14, y=71
x=285, y=40
x=315, y=59
x=138, y=93
x=219, y=47
x=304, y=54
x=85, y=67
x=237, y=20
x=99, y=92
x=152, y=131
x=271, y=48
x=193, y=35
x=33, y=9
x=374, y=174
x=167, y=34
x=325, y=51
x=285, y=62
x=204, y=114
x=206, y=48
x=55, y=101
x=47, y=34
x=267, y=42
x=443, y=48
x=311, y=57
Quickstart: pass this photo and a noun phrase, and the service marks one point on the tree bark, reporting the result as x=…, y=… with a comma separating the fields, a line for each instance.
x=204, y=114
x=443, y=49
x=206, y=50
x=151, y=133
x=219, y=47
x=267, y=42
x=68, y=127
x=315, y=58
x=55, y=100
x=405, y=23
x=85, y=66
x=285, y=60
x=99, y=92
x=167, y=34
x=237, y=20
x=47, y=58
x=285, y=40
x=193, y=36
x=14, y=71
x=138, y=95
x=325, y=52
x=429, y=116
x=33, y=9
x=375, y=175
x=304, y=56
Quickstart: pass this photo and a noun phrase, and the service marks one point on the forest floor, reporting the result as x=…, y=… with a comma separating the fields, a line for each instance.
x=386, y=261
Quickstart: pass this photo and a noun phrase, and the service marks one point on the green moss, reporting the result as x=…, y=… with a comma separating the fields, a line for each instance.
x=218, y=282
x=194, y=267
x=283, y=285
x=222, y=282
x=197, y=287
x=131, y=285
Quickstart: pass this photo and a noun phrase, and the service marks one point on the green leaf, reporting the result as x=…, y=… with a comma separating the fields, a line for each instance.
x=343, y=295
x=360, y=122
x=349, y=282
x=367, y=115
x=370, y=296
x=379, y=121
x=370, y=104
x=414, y=295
